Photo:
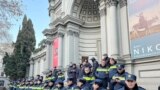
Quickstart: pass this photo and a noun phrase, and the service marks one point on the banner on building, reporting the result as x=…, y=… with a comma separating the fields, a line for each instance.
x=55, y=52
x=144, y=28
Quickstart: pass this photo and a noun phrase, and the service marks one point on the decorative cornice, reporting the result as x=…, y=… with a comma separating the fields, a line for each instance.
x=103, y=12
x=70, y=32
x=56, y=5
x=50, y=32
x=48, y=41
x=60, y=34
x=123, y=3
x=112, y=3
x=70, y=19
x=76, y=34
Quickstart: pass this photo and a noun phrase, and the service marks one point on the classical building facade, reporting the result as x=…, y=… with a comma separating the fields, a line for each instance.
x=81, y=28
x=38, y=63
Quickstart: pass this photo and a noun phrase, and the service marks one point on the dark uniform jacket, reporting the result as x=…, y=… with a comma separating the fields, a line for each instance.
x=102, y=74
x=73, y=72
x=89, y=78
x=62, y=88
x=135, y=88
x=72, y=87
x=112, y=71
x=121, y=77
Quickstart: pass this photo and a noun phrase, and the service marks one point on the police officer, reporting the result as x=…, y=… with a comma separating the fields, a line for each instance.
x=50, y=76
x=55, y=71
x=102, y=73
x=98, y=85
x=60, y=85
x=31, y=85
x=22, y=85
x=60, y=75
x=11, y=85
x=112, y=70
x=131, y=83
x=118, y=80
x=51, y=85
x=88, y=76
x=71, y=84
x=27, y=84
x=45, y=85
x=73, y=72
x=95, y=65
x=81, y=84
x=39, y=84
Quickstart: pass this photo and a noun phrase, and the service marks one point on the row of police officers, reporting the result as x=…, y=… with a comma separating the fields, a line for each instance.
x=108, y=75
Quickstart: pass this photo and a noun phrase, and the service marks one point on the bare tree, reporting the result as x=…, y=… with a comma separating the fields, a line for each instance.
x=10, y=10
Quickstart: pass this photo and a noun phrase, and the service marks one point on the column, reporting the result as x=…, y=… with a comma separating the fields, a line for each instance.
x=113, y=31
x=70, y=49
x=49, y=54
x=31, y=68
x=76, y=47
x=60, y=49
x=124, y=29
x=103, y=14
x=125, y=36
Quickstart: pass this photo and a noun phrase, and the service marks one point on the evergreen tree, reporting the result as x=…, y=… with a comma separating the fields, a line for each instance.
x=24, y=47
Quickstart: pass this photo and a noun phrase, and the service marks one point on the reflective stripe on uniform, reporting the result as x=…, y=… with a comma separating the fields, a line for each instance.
x=50, y=78
x=102, y=70
x=112, y=67
x=61, y=76
x=89, y=78
x=117, y=77
x=38, y=88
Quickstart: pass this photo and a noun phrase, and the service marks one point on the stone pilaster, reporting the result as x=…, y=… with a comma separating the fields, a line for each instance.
x=70, y=49
x=49, y=54
x=124, y=30
x=76, y=47
x=31, y=68
x=60, y=49
x=112, y=33
x=72, y=44
x=103, y=21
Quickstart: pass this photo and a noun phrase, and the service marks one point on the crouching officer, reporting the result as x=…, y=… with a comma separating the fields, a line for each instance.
x=51, y=85
x=60, y=85
x=81, y=84
x=131, y=83
x=71, y=84
x=39, y=85
x=118, y=80
x=98, y=85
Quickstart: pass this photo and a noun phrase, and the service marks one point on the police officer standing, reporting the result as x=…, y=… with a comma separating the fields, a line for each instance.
x=118, y=80
x=112, y=70
x=88, y=76
x=131, y=84
x=73, y=72
x=95, y=65
x=102, y=73
x=60, y=75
